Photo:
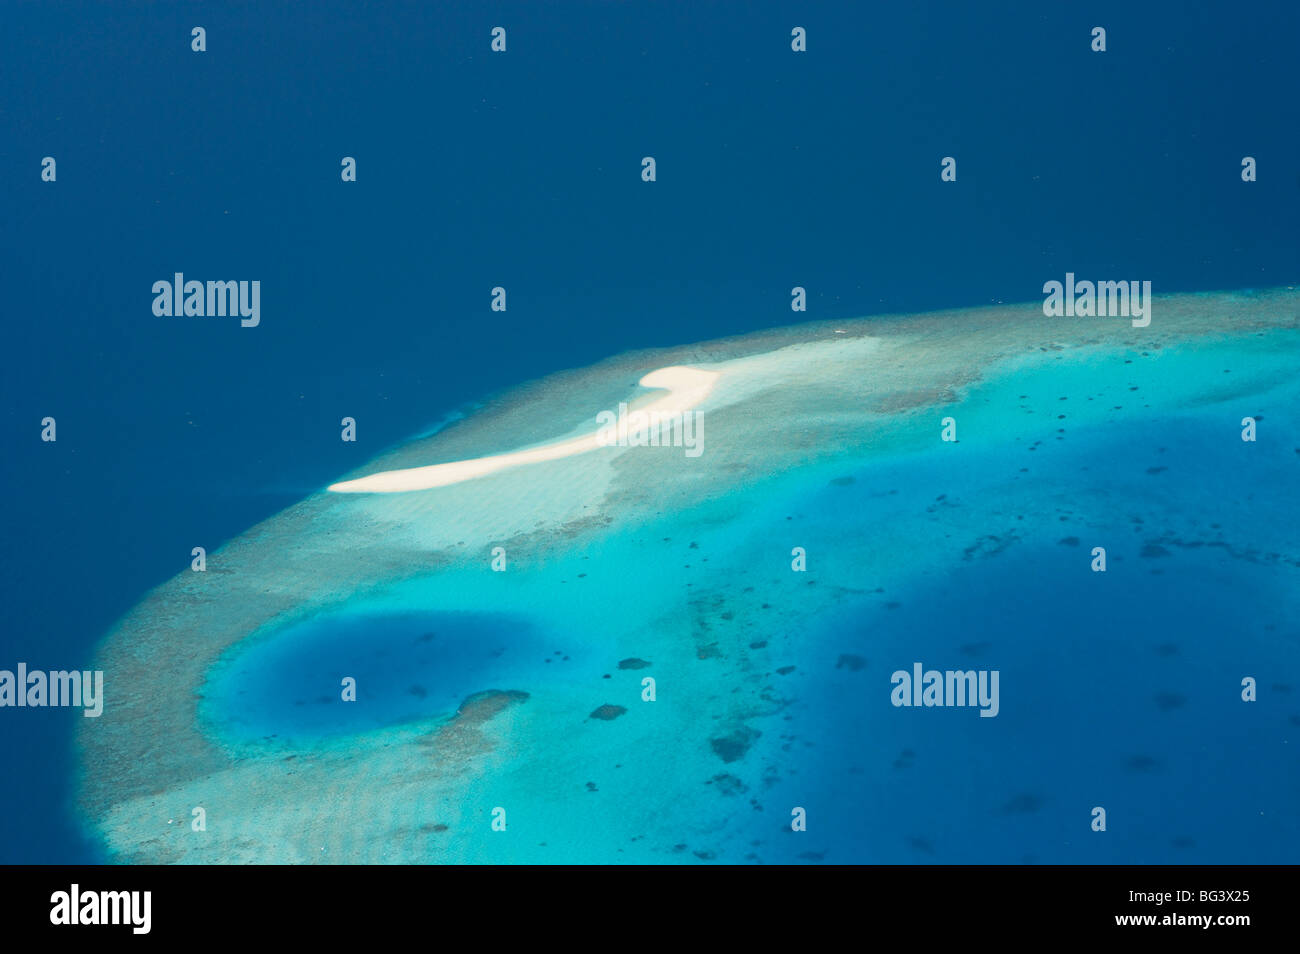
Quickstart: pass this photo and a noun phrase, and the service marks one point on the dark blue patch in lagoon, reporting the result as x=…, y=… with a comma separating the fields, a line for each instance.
x=407, y=667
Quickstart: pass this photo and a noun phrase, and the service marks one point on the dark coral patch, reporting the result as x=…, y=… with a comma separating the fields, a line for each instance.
x=728, y=784
x=732, y=747
x=482, y=706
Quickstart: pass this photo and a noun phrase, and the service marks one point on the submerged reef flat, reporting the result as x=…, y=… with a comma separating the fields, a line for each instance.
x=636, y=563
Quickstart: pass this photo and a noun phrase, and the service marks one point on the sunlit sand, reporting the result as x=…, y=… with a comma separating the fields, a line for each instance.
x=687, y=388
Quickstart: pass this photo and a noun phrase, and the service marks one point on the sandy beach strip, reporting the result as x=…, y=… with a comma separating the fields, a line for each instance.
x=687, y=388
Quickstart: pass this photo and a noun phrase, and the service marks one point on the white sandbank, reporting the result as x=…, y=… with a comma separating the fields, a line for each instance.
x=687, y=388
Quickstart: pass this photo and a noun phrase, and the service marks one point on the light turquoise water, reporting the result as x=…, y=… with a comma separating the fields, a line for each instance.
x=772, y=687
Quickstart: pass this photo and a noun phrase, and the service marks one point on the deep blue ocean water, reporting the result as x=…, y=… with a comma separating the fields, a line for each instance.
x=523, y=170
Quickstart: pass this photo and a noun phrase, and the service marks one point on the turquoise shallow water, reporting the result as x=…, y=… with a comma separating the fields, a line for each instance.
x=772, y=686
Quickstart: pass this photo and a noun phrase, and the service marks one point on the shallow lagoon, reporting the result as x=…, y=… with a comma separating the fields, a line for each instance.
x=1118, y=689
